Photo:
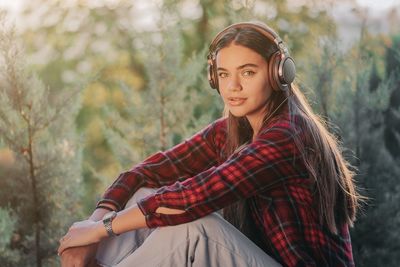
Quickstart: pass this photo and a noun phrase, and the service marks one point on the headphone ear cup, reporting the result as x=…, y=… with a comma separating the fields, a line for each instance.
x=211, y=74
x=282, y=71
x=273, y=71
x=287, y=71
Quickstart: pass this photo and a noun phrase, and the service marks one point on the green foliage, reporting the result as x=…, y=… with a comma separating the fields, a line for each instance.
x=74, y=41
x=41, y=179
x=392, y=116
x=361, y=118
x=164, y=113
x=8, y=256
x=376, y=237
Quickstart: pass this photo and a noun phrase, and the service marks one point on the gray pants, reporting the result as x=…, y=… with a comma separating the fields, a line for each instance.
x=209, y=241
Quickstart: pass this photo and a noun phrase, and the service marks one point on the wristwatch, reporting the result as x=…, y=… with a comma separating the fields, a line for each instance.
x=107, y=221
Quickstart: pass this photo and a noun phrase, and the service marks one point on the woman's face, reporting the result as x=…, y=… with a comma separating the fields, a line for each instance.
x=243, y=82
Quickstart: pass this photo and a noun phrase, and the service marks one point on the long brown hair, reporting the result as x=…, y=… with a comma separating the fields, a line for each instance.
x=335, y=196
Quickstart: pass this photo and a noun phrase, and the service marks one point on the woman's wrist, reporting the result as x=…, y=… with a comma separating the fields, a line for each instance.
x=101, y=230
x=98, y=214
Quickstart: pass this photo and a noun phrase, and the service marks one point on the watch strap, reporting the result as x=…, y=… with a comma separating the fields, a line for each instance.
x=107, y=221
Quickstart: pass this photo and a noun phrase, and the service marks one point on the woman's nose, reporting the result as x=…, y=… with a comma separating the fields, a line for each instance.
x=234, y=84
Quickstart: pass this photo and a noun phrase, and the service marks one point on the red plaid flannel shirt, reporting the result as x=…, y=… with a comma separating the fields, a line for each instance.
x=194, y=176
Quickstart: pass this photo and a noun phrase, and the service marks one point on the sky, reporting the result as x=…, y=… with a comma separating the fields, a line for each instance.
x=376, y=5
x=341, y=10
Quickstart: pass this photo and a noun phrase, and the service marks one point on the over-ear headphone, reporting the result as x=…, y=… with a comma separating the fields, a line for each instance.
x=282, y=70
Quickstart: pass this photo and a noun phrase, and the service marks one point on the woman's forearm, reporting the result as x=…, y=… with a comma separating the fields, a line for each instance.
x=133, y=218
x=128, y=220
x=93, y=230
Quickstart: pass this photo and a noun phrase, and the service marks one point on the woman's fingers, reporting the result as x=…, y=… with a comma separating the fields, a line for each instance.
x=80, y=234
x=74, y=225
x=61, y=248
x=64, y=242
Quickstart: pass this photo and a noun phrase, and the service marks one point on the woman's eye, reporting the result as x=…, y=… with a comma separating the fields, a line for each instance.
x=222, y=75
x=248, y=73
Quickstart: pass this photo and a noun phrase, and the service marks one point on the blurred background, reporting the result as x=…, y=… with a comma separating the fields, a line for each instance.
x=88, y=88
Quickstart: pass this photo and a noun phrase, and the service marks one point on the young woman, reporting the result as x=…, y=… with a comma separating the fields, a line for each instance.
x=270, y=165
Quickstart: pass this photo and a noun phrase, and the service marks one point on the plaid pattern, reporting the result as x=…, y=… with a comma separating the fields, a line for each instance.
x=195, y=177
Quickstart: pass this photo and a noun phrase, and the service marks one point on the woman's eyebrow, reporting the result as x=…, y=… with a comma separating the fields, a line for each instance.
x=241, y=66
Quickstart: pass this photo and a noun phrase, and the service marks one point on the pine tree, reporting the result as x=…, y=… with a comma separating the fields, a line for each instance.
x=392, y=117
x=375, y=236
x=361, y=117
x=41, y=183
x=167, y=110
x=77, y=39
x=374, y=79
x=8, y=255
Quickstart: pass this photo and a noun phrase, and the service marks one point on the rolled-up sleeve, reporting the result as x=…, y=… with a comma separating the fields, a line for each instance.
x=263, y=164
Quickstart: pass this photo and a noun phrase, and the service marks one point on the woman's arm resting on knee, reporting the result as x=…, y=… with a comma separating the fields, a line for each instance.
x=132, y=218
x=82, y=255
x=92, y=230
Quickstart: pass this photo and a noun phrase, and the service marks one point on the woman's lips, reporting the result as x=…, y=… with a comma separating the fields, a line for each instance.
x=236, y=101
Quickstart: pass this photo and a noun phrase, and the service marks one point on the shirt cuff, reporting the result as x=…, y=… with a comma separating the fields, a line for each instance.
x=148, y=207
x=108, y=201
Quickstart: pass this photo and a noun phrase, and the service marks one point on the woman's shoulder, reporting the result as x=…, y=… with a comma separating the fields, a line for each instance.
x=215, y=132
x=218, y=126
x=220, y=130
x=285, y=124
x=221, y=123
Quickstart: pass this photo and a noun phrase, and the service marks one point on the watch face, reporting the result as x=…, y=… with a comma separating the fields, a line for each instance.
x=109, y=216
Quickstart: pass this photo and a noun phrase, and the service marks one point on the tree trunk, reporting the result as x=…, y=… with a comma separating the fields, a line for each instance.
x=36, y=217
x=163, y=130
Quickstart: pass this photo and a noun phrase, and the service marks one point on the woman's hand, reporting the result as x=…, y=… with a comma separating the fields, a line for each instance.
x=81, y=234
x=79, y=256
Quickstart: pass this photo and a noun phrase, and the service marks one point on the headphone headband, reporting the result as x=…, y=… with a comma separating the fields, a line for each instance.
x=282, y=66
x=264, y=29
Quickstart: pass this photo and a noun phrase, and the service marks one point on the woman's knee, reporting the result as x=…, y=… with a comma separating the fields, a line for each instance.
x=213, y=221
x=140, y=194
